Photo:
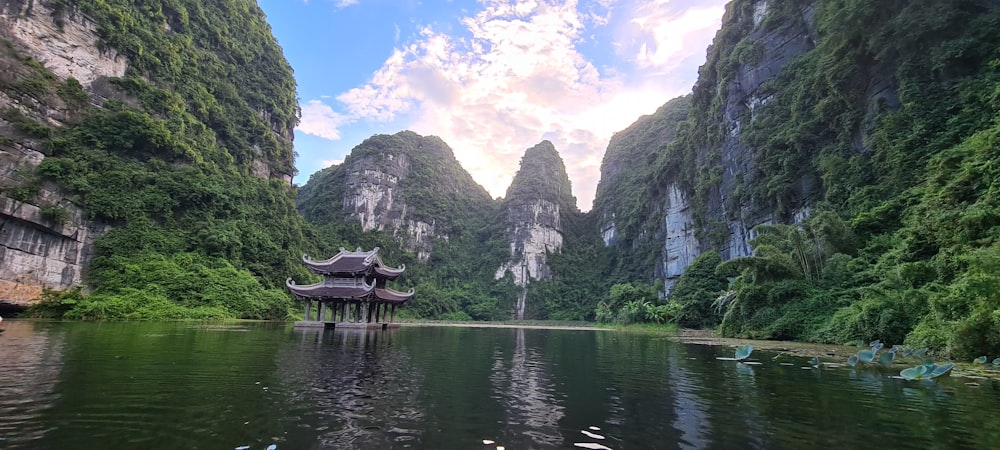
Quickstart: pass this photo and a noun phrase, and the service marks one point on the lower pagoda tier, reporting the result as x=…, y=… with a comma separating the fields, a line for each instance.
x=352, y=293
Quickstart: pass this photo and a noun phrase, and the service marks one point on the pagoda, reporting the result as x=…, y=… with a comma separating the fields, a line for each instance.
x=353, y=291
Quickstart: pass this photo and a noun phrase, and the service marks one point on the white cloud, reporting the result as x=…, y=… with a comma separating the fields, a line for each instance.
x=519, y=78
x=321, y=120
x=671, y=35
x=345, y=3
x=330, y=162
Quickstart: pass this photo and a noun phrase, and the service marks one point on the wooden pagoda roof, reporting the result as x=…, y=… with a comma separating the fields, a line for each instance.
x=328, y=290
x=354, y=263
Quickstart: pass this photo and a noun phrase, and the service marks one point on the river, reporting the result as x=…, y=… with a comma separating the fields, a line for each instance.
x=202, y=386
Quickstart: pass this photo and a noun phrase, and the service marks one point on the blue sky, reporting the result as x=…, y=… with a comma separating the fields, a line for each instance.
x=490, y=77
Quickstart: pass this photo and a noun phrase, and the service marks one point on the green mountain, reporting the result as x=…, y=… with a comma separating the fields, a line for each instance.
x=408, y=195
x=838, y=155
x=153, y=166
x=831, y=177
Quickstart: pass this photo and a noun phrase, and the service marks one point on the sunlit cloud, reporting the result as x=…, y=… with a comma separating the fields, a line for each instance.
x=319, y=119
x=518, y=77
x=673, y=36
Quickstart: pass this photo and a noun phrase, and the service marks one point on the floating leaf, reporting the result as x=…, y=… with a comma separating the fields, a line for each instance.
x=744, y=352
x=886, y=358
x=914, y=373
x=980, y=360
x=920, y=353
x=852, y=361
x=866, y=356
x=941, y=370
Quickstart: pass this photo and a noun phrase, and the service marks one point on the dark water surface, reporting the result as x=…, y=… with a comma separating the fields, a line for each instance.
x=191, y=386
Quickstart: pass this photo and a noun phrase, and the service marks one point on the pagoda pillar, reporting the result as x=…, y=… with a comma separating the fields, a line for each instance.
x=392, y=317
x=321, y=312
x=308, y=307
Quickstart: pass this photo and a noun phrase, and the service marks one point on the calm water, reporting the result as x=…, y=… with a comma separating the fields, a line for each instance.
x=189, y=386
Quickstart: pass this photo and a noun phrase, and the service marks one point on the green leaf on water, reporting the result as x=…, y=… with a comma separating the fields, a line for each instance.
x=744, y=352
x=914, y=373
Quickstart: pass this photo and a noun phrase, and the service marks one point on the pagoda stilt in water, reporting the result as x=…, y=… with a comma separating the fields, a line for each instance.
x=353, y=292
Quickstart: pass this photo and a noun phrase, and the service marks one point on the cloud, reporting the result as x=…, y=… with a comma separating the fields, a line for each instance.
x=345, y=3
x=669, y=36
x=517, y=77
x=319, y=119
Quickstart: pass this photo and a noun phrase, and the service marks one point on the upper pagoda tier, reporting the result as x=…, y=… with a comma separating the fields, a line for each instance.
x=358, y=262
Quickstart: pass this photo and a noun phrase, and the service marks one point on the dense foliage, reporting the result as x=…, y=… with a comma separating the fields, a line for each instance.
x=185, y=163
x=893, y=119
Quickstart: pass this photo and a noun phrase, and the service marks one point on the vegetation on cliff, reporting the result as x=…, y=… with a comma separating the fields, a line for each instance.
x=902, y=244
x=456, y=281
x=187, y=162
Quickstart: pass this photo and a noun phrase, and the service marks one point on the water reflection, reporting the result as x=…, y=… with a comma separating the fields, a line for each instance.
x=352, y=388
x=175, y=386
x=691, y=414
x=521, y=382
x=30, y=364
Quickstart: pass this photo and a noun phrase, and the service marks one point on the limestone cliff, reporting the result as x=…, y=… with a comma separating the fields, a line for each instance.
x=45, y=239
x=537, y=200
x=698, y=185
x=121, y=119
x=406, y=184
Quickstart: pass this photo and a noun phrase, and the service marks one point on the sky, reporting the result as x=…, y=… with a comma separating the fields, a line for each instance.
x=491, y=78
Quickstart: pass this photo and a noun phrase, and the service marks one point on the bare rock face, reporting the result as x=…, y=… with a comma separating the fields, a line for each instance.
x=536, y=201
x=373, y=198
x=65, y=42
x=680, y=243
x=45, y=240
x=406, y=184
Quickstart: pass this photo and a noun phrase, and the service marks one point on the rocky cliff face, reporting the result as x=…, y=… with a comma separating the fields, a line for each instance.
x=699, y=179
x=536, y=202
x=771, y=48
x=373, y=198
x=406, y=184
x=45, y=240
